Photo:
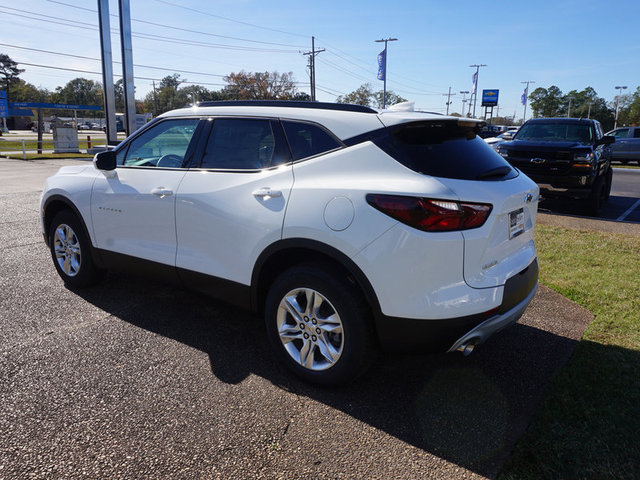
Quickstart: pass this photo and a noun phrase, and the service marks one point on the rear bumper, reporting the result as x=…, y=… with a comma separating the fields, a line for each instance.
x=445, y=335
x=480, y=333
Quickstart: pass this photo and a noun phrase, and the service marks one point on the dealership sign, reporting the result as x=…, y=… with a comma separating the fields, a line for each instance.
x=489, y=98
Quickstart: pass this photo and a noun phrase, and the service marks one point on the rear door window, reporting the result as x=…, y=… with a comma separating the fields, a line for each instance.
x=620, y=133
x=240, y=144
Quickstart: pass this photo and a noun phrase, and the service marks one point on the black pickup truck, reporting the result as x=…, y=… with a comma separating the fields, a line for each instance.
x=566, y=157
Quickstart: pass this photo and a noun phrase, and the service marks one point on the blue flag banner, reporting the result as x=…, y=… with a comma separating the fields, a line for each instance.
x=381, y=64
x=523, y=99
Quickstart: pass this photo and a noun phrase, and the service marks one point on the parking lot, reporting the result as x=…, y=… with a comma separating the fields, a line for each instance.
x=623, y=205
x=133, y=379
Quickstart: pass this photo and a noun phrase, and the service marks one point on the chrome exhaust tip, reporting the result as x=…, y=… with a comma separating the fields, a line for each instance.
x=466, y=349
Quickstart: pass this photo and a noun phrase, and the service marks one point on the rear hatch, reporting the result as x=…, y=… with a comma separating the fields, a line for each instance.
x=504, y=245
x=450, y=150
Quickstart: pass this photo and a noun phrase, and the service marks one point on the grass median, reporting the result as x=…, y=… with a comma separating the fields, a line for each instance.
x=45, y=156
x=588, y=424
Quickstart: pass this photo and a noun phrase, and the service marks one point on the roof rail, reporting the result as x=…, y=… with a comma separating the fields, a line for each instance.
x=346, y=107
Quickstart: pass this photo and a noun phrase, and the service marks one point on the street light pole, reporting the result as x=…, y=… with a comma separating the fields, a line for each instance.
x=464, y=99
x=569, y=109
x=384, y=69
x=623, y=87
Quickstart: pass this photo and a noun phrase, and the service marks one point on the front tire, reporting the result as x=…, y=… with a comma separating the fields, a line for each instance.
x=319, y=325
x=71, y=251
x=597, y=197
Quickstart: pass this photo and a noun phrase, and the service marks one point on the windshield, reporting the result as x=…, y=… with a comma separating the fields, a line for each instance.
x=556, y=132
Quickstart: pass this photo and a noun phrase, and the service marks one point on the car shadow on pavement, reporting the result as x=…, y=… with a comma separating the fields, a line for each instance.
x=614, y=208
x=467, y=410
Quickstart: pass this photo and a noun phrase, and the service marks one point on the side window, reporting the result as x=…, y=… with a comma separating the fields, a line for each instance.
x=599, y=132
x=306, y=139
x=239, y=144
x=621, y=133
x=163, y=145
x=636, y=133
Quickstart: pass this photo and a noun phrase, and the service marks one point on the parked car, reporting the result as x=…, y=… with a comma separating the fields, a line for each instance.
x=84, y=126
x=495, y=141
x=346, y=228
x=627, y=145
x=510, y=133
x=566, y=157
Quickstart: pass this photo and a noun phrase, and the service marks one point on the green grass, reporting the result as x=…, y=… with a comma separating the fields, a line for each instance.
x=45, y=156
x=46, y=144
x=587, y=426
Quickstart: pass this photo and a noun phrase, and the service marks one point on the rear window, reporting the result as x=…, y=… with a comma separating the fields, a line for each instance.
x=444, y=149
x=556, y=132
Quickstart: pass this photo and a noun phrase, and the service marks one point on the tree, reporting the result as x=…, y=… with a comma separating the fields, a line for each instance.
x=361, y=96
x=392, y=98
x=166, y=96
x=632, y=112
x=365, y=96
x=22, y=91
x=546, y=102
x=10, y=71
x=260, y=86
x=629, y=108
x=80, y=91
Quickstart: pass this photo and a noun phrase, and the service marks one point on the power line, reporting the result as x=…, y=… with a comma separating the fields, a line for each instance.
x=171, y=69
x=182, y=29
x=230, y=19
x=148, y=36
x=100, y=73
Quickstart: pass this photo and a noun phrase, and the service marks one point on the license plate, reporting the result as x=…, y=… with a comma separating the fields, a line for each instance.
x=516, y=223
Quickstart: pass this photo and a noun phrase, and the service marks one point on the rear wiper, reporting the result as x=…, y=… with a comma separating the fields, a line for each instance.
x=494, y=172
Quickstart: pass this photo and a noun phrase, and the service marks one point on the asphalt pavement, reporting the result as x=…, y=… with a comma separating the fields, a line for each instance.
x=623, y=204
x=134, y=379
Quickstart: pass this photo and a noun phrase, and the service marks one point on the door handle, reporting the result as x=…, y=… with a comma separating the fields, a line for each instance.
x=266, y=192
x=161, y=192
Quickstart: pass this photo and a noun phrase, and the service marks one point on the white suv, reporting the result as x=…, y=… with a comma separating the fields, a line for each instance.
x=349, y=229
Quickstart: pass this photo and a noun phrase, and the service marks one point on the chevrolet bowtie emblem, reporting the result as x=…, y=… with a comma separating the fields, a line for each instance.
x=538, y=160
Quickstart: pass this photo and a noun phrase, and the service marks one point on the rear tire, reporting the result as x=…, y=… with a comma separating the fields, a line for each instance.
x=71, y=251
x=319, y=325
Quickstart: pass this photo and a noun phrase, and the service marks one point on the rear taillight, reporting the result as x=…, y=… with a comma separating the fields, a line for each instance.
x=429, y=214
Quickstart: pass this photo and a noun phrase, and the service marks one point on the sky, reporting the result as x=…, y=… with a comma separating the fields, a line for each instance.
x=572, y=44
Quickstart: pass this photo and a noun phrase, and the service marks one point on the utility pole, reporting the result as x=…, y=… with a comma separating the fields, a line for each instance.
x=384, y=69
x=155, y=100
x=525, y=97
x=620, y=88
x=312, y=67
x=589, y=113
x=569, y=109
x=474, y=92
x=464, y=99
x=448, y=95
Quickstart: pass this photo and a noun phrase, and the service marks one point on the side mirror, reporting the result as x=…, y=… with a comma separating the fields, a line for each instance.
x=606, y=140
x=105, y=160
